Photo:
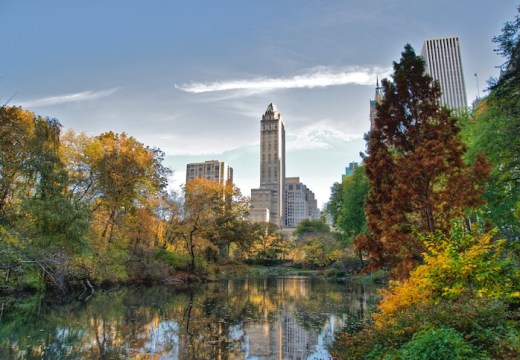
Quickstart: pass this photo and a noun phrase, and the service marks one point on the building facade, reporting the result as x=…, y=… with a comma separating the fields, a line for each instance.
x=272, y=168
x=444, y=64
x=300, y=203
x=212, y=170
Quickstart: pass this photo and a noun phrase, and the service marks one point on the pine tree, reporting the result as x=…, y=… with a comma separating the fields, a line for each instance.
x=418, y=179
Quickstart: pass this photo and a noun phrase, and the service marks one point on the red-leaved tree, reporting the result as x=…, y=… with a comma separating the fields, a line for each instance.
x=418, y=180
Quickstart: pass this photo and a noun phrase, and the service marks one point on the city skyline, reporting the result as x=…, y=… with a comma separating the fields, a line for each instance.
x=169, y=73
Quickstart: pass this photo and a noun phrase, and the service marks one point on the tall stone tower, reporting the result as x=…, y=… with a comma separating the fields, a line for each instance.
x=268, y=201
x=378, y=98
x=444, y=64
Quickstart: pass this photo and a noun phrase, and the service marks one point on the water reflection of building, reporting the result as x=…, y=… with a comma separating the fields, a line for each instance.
x=262, y=340
x=281, y=339
x=297, y=343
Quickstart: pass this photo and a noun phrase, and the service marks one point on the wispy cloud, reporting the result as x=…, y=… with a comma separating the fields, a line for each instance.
x=318, y=77
x=322, y=134
x=69, y=98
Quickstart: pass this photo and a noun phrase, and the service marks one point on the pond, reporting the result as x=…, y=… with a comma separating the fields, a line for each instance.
x=267, y=318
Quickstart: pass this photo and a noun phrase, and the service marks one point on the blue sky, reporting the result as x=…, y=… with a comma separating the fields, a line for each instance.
x=194, y=77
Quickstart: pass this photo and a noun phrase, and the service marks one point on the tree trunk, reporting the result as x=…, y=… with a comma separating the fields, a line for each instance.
x=107, y=224
x=191, y=251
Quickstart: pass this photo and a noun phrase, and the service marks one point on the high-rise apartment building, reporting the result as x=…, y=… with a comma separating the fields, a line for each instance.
x=300, y=203
x=268, y=200
x=211, y=170
x=443, y=63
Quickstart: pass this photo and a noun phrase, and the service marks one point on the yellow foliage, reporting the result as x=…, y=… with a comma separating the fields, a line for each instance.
x=453, y=269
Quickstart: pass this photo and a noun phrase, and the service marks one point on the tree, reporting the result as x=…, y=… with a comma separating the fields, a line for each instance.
x=50, y=216
x=268, y=244
x=309, y=226
x=232, y=224
x=418, y=179
x=211, y=218
x=125, y=174
x=352, y=218
x=319, y=250
x=77, y=155
x=494, y=130
x=335, y=203
x=35, y=205
x=509, y=47
x=16, y=131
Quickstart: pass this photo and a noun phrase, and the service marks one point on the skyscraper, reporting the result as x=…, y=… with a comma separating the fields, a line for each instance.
x=268, y=200
x=443, y=63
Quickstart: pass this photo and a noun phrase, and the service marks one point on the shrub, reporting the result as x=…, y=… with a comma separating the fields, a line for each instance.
x=439, y=344
x=468, y=267
x=468, y=284
x=177, y=260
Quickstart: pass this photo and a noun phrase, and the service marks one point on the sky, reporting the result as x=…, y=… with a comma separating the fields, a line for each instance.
x=193, y=78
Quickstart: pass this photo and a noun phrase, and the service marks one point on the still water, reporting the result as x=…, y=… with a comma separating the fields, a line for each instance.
x=268, y=318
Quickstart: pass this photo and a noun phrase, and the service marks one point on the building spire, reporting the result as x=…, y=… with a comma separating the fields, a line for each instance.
x=379, y=97
x=271, y=109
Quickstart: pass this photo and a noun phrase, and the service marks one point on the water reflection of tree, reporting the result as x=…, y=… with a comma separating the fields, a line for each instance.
x=206, y=322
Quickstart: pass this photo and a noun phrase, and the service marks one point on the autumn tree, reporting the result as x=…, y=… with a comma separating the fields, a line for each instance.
x=75, y=207
x=418, y=179
x=210, y=218
x=233, y=227
x=125, y=173
x=268, y=242
x=78, y=156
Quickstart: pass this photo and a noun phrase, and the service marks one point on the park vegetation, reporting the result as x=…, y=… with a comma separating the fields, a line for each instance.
x=80, y=212
x=441, y=215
